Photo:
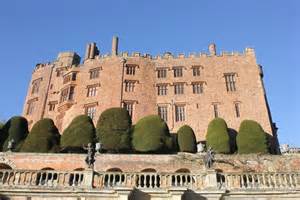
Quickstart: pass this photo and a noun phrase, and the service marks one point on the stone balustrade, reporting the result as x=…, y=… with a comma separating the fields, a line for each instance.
x=151, y=180
x=41, y=178
x=259, y=181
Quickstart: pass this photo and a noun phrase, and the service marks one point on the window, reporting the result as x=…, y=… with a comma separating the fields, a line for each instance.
x=90, y=111
x=237, y=109
x=216, y=114
x=94, y=73
x=179, y=113
x=36, y=86
x=161, y=73
x=230, y=82
x=163, y=112
x=52, y=105
x=179, y=88
x=30, y=107
x=92, y=91
x=197, y=88
x=129, y=86
x=67, y=94
x=130, y=69
x=196, y=70
x=177, y=71
x=162, y=90
x=58, y=72
x=69, y=77
x=129, y=107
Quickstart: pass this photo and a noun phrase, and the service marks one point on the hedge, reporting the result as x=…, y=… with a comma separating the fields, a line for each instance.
x=79, y=133
x=113, y=130
x=251, y=138
x=43, y=137
x=186, y=139
x=151, y=134
x=15, y=128
x=217, y=136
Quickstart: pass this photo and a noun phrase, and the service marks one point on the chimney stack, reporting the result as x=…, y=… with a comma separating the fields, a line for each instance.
x=91, y=51
x=212, y=49
x=114, y=47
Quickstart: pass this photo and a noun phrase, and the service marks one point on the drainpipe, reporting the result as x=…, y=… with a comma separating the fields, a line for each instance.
x=47, y=93
x=123, y=61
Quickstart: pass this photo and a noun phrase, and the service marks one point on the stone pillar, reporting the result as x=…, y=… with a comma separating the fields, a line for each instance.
x=88, y=175
x=211, y=179
x=114, y=47
x=177, y=192
x=212, y=49
x=123, y=192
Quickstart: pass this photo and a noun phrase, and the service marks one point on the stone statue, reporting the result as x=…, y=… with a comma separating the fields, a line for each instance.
x=11, y=145
x=200, y=148
x=209, y=158
x=90, y=158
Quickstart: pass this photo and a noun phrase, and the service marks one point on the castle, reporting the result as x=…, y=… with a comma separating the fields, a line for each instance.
x=182, y=89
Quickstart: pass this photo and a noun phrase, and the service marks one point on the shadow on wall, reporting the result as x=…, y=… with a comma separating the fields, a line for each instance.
x=139, y=195
x=232, y=139
x=191, y=195
x=3, y=197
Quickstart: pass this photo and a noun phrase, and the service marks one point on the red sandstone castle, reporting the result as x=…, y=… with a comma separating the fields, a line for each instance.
x=182, y=89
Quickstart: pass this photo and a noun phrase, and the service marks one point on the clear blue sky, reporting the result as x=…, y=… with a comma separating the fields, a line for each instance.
x=35, y=31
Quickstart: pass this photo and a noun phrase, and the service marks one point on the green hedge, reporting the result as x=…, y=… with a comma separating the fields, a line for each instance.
x=151, y=134
x=43, y=137
x=217, y=136
x=113, y=129
x=79, y=133
x=15, y=128
x=251, y=138
x=186, y=139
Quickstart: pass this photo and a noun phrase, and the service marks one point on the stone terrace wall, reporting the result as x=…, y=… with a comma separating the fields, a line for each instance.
x=160, y=163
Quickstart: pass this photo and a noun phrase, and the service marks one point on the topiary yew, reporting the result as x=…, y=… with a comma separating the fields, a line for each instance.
x=16, y=128
x=151, y=134
x=113, y=129
x=251, y=138
x=79, y=133
x=217, y=136
x=186, y=139
x=43, y=137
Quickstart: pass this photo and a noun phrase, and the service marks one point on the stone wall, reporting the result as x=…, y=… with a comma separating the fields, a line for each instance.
x=149, y=162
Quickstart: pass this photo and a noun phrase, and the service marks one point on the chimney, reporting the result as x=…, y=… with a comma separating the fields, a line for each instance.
x=212, y=49
x=114, y=47
x=87, y=51
x=91, y=51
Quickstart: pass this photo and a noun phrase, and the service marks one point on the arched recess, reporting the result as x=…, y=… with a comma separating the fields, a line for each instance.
x=47, y=168
x=5, y=166
x=183, y=170
x=149, y=170
x=79, y=169
x=115, y=169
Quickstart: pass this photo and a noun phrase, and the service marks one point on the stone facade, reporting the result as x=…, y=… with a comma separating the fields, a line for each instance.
x=228, y=85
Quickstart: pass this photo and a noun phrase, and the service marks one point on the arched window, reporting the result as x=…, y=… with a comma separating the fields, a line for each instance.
x=182, y=170
x=113, y=177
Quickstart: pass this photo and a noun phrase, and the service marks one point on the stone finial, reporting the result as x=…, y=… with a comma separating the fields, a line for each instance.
x=114, y=47
x=212, y=49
